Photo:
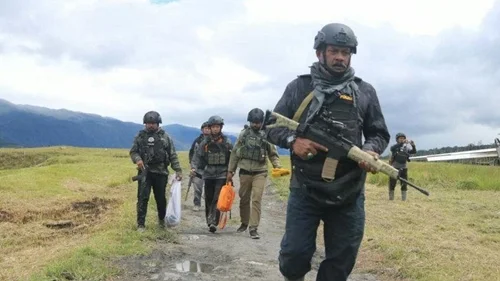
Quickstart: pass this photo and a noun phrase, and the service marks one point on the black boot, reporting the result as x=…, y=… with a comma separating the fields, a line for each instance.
x=242, y=228
x=254, y=234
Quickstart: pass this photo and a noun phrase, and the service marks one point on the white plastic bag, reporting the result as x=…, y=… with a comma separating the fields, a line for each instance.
x=173, y=215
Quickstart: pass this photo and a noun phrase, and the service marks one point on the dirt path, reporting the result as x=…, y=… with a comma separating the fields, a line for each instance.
x=225, y=255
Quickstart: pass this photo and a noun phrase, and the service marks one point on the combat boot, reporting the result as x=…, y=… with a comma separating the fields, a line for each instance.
x=391, y=194
x=212, y=228
x=242, y=228
x=403, y=195
x=254, y=234
x=161, y=224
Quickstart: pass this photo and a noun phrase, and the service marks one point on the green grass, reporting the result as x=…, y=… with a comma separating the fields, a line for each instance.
x=448, y=176
x=454, y=234
x=91, y=188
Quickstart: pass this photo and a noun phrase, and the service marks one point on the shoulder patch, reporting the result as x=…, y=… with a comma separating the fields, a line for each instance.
x=304, y=76
x=162, y=133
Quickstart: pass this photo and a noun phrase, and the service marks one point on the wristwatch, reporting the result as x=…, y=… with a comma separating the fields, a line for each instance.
x=290, y=140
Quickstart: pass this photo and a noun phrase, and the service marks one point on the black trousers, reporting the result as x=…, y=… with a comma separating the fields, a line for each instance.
x=158, y=183
x=403, y=173
x=212, y=192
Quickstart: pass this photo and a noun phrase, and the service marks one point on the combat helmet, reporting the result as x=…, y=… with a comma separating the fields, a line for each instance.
x=255, y=115
x=398, y=135
x=215, y=120
x=337, y=34
x=151, y=117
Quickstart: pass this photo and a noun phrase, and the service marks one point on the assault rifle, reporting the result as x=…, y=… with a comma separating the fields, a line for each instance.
x=338, y=146
x=141, y=176
x=191, y=178
x=189, y=186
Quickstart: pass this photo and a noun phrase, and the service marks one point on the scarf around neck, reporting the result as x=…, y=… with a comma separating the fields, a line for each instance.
x=325, y=84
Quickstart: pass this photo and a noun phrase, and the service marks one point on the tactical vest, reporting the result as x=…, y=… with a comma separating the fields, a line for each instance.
x=401, y=156
x=217, y=152
x=308, y=173
x=154, y=148
x=253, y=146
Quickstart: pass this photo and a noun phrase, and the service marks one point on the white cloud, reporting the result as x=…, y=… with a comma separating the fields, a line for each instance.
x=190, y=59
x=410, y=16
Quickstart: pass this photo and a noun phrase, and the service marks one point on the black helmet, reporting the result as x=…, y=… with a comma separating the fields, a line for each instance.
x=205, y=124
x=336, y=34
x=398, y=135
x=151, y=117
x=215, y=120
x=255, y=115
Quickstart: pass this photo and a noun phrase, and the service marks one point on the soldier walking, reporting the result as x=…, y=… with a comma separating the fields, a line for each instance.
x=153, y=151
x=250, y=154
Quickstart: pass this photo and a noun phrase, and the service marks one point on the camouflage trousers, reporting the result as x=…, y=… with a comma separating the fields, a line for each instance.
x=158, y=183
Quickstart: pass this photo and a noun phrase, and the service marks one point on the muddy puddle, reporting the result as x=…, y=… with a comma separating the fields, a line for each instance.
x=193, y=266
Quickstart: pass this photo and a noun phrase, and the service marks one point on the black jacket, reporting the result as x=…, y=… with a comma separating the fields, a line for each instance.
x=373, y=123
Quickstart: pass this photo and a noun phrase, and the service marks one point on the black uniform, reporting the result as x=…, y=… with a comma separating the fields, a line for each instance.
x=400, y=156
x=340, y=204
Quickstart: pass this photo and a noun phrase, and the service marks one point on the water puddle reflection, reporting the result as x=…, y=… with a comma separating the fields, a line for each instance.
x=193, y=266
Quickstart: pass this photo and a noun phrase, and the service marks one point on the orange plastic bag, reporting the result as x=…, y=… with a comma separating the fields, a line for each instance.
x=225, y=203
x=226, y=198
x=222, y=220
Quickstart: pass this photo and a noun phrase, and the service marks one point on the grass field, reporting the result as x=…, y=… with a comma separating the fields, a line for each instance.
x=454, y=234
x=65, y=213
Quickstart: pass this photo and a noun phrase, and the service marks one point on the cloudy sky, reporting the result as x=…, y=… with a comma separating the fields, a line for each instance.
x=436, y=67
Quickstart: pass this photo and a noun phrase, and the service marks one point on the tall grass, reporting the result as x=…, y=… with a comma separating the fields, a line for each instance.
x=454, y=234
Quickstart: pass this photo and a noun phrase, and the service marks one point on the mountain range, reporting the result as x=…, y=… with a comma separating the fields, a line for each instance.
x=34, y=126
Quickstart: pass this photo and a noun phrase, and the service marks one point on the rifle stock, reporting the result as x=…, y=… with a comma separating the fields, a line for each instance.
x=335, y=142
x=141, y=176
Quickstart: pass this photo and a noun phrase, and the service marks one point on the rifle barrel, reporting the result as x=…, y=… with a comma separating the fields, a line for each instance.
x=414, y=186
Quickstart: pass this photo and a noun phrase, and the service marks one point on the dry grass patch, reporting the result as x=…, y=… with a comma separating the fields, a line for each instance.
x=66, y=212
x=452, y=235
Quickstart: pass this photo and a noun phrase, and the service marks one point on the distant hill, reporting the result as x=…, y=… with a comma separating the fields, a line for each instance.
x=34, y=126
x=6, y=144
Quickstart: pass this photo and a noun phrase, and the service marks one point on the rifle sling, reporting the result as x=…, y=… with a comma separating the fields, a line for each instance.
x=302, y=107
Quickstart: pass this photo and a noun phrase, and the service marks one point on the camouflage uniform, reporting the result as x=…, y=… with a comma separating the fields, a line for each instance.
x=157, y=151
x=212, y=156
x=250, y=154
